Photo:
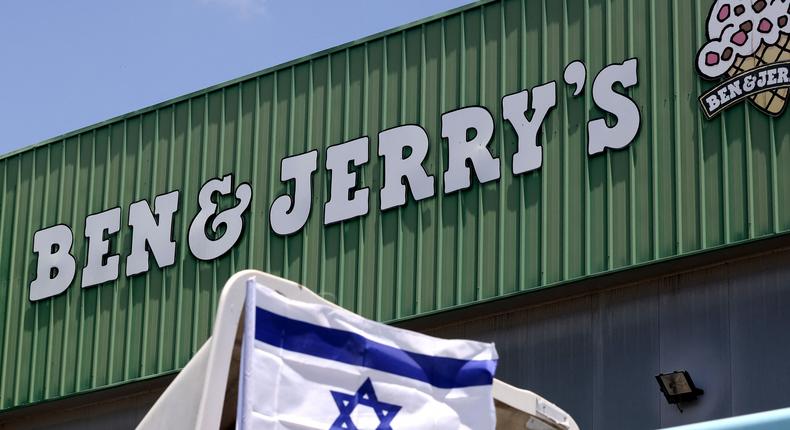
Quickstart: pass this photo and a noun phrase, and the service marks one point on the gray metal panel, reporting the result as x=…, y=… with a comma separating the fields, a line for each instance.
x=558, y=355
x=760, y=328
x=596, y=355
x=626, y=331
x=694, y=325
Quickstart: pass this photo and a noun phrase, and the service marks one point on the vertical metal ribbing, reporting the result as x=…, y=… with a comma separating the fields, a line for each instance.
x=78, y=275
x=58, y=211
x=31, y=377
x=6, y=282
x=608, y=154
x=130, y=282
x=399, y=248
x=216, y=282
x=18, y=396
x=115, y=300
x=701, y=196
x=20, y=327
x=61, y=196
x=522, y=204
x=441, y=91
x=676, y=134
x=421, y=115
x=82, y=293
x=324, y=192
x=163, y=320
x=47, y=343
x=725, y=180
x=111, y=358
x=479, y=240
x=237, y=168
x=774, y=180
x=196, y=338
x=184, y=237
x=543, y=240
x=632, y=218
x=201, y=170
x=152, y=313
x=749, y=176
x=220, y=149
x=20, y=337
x=97, y=328
x=272, y=162
x=565, y=152
x=654, y=134
x=379, y=219
x=97, y=322
x=104, y=204
x=341, y=270
x=169, y=167
x=6, y=343
x=360, y=287
x=254, y=166
x=147, y=277
x=502, y=64
x=587, y=190
x=459, y=249
x=377, y=242
x=309, y=141
x=147, y=307
x=289, y=150
x=317, y=239
x=208, y=174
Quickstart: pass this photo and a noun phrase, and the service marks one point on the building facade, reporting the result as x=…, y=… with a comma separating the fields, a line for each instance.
x=590, y=184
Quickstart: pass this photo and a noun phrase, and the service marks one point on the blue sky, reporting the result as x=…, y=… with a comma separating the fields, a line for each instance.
x=68, y=64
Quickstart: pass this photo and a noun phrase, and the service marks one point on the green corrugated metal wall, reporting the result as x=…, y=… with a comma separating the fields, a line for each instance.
x=685, y=184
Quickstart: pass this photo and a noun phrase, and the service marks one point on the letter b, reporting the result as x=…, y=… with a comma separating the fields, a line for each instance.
x=56, y=265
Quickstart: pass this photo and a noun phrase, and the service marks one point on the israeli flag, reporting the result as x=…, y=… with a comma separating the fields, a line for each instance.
x=315, y=366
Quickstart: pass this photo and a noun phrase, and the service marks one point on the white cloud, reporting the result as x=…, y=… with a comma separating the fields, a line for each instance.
x=245, y=8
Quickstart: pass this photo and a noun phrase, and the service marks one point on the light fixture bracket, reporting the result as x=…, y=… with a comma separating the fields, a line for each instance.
x=678, y=387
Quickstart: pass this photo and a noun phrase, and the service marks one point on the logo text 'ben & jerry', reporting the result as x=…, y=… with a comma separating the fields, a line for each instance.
x=748, y=49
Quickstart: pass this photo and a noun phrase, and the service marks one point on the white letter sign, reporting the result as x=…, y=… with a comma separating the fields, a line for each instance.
x=392, y=143
x=455, y=126
x=341, y=206
x=289, y=215
x=203, y=247
x=56, y=266
x=514, y=109
x=626, y=111
x=101, y=266
x=156, y=232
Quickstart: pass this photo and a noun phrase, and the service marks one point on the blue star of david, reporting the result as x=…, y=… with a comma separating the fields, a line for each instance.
x=365, y=396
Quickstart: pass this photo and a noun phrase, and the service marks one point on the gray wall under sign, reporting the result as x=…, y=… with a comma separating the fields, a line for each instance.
x=596, y=355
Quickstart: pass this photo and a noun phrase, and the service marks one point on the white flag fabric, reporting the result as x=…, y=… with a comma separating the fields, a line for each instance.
x=312, y=366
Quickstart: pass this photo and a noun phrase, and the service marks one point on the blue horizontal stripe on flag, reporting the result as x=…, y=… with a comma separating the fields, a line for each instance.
x=354, y=349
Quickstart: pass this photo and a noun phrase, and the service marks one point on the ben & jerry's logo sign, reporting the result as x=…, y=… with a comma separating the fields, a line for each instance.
x=748, y=49
x=465, y=135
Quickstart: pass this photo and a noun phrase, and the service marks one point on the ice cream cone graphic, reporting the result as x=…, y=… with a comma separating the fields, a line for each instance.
x=749, y=48
x=773, y=101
